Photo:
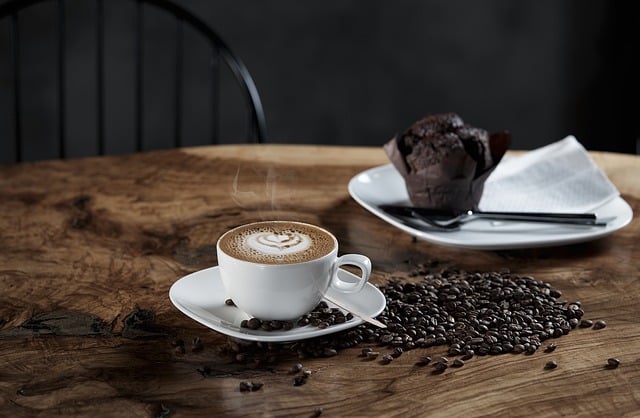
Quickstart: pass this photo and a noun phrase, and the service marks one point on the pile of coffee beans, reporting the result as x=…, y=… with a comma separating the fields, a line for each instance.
x=322, y=316
x=473, y=313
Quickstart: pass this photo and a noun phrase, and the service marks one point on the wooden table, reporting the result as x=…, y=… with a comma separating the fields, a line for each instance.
x=90, y=247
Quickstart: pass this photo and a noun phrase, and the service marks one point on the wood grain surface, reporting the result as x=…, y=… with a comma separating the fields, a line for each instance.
x=90, y=247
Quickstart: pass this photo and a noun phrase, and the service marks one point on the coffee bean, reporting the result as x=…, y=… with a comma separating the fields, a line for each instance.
x=586, y=323
x=297, y=368
x=245, y=386
x=439, y=366
x=397, y=352
x=423, y=361
x=299, y=380
x=599, y=324
x=317, y=412
x=386, y=359
x=613, y=362
x=365, y=350
x=254, y=323
x=256, y=386
x=372, y=355
x=329, y=352
x=306, y=373
x=551, y=347
x=458, y=363
x=551, y=365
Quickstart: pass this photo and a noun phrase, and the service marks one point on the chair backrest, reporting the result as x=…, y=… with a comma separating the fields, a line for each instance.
x=141, y=92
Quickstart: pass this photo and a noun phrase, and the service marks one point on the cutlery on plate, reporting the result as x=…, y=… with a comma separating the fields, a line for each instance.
x=355, y=312
x=450, y=221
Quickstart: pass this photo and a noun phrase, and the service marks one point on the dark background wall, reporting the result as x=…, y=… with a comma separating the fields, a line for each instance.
x=351, y=72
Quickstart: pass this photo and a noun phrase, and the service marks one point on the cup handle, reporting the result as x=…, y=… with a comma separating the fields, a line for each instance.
x=360, y=261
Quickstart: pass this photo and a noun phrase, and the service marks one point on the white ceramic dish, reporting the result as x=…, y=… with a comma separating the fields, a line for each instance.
x=384, y=185
x=201, y=296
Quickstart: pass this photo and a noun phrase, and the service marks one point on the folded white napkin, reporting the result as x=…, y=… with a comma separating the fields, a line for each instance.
x=559, y=177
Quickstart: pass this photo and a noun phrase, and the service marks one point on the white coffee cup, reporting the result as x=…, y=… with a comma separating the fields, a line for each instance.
x=271, y=272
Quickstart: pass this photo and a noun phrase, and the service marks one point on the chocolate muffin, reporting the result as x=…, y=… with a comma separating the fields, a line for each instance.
x=445, y=162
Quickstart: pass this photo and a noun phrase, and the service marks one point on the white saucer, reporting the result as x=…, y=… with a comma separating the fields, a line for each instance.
x=201, y=296
x=384, y=185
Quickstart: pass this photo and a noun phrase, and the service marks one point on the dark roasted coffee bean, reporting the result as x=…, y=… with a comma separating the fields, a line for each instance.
x=297, y=368
x=551, y=347
x=229, y=302
x=468, y=355
x=299, y=380
x=423, y=361
x=551, y=365
x=254, y=323
x=599, y=324
x=439, y=366
x=244, y=323
x=372, y=355
x=458, y=363
x=306, y=373
x=329, y=352
x=386, y=359
x=256, y=386
x=586, y=323
x=613, y=362
x=365, y=350
x=397, y=352
x=495, y=349
x=317, y=412
x=245, y=386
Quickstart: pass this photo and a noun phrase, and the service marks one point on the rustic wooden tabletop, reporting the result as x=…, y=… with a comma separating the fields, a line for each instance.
x=90, y=247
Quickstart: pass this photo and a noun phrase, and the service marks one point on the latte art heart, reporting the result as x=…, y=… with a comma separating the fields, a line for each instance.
x=278, y=244
x=281, y=241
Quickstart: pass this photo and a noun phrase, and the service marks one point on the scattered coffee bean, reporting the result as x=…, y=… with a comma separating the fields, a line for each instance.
x=551, y=365
x=180, y=349
x=297, y=368
x=229, y=302
x=586, y=323
x=371, y=355
x=397, y=352
x=599, y=324
x=365, y=351
x=439, y=367
x=299, y=380
x=613, y=362
x=386, y=359
x=317, y=412
x=468, y=355
x=458, y=363
x=306, y=373
x=423, y=361
x=550, y=348
x=250, y=386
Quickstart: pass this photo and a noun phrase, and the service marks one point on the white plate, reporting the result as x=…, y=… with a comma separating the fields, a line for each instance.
x=384, y=185
x=201, y=297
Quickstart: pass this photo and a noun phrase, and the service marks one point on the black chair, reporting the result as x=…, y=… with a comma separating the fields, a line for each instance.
x=12, y=11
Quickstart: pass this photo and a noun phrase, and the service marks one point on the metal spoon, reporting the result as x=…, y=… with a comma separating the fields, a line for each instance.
x=447, y=221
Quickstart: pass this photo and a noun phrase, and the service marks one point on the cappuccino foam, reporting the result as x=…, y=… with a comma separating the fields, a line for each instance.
x=277, y=242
